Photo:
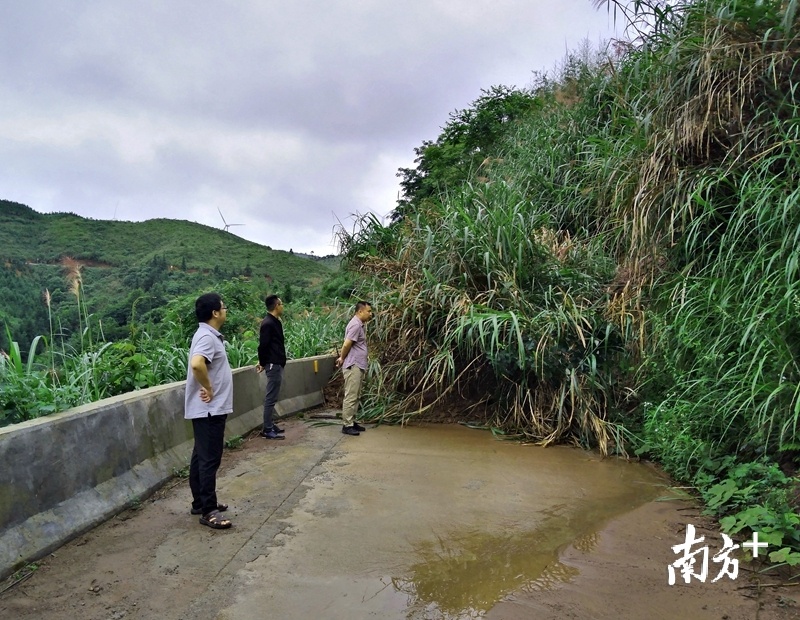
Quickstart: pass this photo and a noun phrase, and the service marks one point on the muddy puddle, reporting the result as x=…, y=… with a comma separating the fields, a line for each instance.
x=438, y=522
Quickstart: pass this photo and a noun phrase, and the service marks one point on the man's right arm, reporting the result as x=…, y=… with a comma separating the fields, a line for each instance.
x=200, y=372
x=348, y=344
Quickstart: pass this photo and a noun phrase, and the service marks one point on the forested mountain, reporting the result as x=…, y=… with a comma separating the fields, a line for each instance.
x=123, y=268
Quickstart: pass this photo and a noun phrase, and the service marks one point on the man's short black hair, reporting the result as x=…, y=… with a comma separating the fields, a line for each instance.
x=205, y=305
x=362, y=304
x=270, y=302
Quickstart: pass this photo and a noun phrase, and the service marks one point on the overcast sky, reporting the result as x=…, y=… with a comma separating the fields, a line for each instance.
x=286, y=116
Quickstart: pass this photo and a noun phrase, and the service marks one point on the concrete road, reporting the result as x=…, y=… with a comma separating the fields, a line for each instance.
x=414, y=522
x=408, y=522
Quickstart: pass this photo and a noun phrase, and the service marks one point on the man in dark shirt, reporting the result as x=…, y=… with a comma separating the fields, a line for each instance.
x=271, y=359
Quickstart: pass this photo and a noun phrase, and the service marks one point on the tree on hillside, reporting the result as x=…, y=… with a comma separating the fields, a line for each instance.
x=468, y=142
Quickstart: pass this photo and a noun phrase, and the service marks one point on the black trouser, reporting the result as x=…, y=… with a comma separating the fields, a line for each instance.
x=209, y=440
x=274, y=373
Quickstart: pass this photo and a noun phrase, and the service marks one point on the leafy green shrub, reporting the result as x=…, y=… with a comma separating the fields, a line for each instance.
x=234, y=442
x=61, y=377
x=753, y=496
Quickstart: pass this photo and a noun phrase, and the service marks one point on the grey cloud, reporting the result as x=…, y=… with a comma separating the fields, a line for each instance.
x=282, y=113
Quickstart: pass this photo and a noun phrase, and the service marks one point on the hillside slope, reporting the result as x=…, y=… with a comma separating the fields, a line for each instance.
x=29, y=236
x=125, y=263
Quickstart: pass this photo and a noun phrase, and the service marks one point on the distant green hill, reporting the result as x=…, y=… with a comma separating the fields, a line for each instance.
x=122, y=263
x=47, y=238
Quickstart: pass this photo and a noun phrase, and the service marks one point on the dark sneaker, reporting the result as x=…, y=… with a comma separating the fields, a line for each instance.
x=277, y=429
x=358, y=427
x=350, y=430
x=271, y=435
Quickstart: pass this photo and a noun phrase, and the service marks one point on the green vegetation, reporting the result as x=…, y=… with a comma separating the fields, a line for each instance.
x=128, y=270
x=58, y=373
x=21, y=575
x=234, y=442
x=93, y=309
x=47, y=238
x=183, y=472
x=610, y=258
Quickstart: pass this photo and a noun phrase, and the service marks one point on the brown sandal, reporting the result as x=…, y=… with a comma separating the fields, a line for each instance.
x=215, y=520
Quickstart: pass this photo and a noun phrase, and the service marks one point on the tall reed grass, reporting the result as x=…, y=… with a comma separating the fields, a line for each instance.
x=625, y=271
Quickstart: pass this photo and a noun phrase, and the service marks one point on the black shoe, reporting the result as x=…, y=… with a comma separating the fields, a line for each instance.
x=277, y=429
x=271, y=435
x=350, y=430
x=358, y=427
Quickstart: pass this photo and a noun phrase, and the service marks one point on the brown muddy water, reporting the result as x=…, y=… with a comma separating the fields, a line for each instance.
x=436, y=522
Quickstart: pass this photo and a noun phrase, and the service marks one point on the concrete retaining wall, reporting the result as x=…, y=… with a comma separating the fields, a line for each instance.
x=64, y=474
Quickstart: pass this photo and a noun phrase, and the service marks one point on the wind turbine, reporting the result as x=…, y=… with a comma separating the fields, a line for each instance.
x=227, y=226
